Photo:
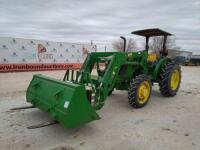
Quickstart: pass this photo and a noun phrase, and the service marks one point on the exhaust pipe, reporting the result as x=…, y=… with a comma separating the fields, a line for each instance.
x=124, y=39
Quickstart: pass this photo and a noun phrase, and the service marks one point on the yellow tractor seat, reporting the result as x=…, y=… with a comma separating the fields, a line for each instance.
x=152, y=57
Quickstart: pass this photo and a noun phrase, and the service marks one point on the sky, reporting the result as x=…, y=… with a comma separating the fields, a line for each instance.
x=100, y=20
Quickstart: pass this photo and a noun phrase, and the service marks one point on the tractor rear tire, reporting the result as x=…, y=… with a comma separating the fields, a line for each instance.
x=169, y=80
x=139, y=91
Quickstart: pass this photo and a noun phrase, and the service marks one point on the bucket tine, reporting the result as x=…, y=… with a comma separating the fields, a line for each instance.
x=44, y=124
x=72, y=75
x=66, y=74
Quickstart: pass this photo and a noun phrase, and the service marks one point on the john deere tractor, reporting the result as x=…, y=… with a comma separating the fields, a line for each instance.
x=74, y=100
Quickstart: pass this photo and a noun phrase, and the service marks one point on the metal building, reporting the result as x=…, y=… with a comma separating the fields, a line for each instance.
x=180, y=56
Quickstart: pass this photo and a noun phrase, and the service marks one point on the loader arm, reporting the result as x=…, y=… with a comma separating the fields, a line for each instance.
x=105, y=80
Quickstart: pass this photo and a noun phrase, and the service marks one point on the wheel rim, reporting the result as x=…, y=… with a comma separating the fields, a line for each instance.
x=143, y=92
x=175, y=79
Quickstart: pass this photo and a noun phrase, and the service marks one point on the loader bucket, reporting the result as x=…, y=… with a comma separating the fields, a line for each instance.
x=65, y=101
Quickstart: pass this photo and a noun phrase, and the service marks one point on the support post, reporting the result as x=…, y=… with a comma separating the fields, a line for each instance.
x=165, y=52
x=147, y=43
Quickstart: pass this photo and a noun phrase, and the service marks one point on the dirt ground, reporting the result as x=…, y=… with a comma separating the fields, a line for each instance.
x=164, y=124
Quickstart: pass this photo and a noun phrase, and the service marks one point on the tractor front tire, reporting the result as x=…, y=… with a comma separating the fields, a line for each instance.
x=139, y=91
x=169, y=80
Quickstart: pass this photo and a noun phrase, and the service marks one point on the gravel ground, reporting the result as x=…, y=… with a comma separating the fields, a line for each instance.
x=164, y=124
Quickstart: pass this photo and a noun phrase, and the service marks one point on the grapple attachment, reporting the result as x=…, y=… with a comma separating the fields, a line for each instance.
x=65, y=101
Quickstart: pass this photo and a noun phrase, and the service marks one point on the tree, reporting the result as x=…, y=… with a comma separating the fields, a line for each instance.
x=156, y=45
x=119, y=45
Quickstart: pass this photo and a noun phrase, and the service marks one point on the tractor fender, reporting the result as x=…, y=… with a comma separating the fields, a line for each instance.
x=159, y=66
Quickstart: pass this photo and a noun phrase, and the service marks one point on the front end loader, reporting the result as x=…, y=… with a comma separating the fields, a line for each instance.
x=74, y=100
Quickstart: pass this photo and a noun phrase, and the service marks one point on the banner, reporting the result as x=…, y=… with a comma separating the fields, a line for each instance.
x=18, y=54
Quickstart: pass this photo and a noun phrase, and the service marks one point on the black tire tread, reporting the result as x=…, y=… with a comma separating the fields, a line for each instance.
x=164, y=78
x=132, y=91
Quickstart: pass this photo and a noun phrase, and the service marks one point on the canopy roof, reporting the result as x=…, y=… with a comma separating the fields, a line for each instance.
x=151, y=32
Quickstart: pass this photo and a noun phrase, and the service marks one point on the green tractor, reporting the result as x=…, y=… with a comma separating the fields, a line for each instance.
x=74, y=100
